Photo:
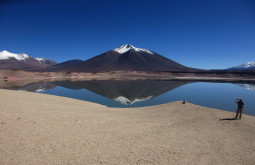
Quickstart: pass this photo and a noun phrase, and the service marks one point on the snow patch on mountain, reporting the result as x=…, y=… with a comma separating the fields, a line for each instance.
x=4, y=55
x=248, y=65
x=127, y=47
x=127, y=101
x=40, y=59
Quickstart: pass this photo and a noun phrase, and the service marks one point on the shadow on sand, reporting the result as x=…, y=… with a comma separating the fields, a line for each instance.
x=229, y=119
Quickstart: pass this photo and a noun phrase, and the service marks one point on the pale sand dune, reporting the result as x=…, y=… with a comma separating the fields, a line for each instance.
x=41, y=129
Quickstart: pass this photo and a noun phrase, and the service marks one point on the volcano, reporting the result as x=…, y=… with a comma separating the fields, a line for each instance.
x=126, y=58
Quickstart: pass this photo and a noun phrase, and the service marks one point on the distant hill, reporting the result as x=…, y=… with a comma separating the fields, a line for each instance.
x=126, y=57
x=64, y=64
x=249, y=66
x=22, y=62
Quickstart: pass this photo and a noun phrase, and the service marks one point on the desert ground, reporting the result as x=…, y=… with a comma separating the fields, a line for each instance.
x=17, y=75
x=43, y=129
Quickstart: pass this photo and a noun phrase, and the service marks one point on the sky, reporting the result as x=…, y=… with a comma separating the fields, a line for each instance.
x=205, y=34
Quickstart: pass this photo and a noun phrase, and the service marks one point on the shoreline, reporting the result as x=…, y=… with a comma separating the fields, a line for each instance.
x=10, y=75
x=44, y=129
x=137, y=78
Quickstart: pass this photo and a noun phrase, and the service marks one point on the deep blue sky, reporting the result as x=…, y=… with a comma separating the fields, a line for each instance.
x=207, y=34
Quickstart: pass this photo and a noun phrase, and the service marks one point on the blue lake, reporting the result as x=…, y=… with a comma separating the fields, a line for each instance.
x=140, y=93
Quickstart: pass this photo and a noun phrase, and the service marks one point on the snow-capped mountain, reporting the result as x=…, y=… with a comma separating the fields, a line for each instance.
x=22, y=61
x=128, y=58
x=246, y=66
x=129, y=47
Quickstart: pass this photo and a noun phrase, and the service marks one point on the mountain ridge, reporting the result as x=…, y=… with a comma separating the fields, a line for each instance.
x=124, y=58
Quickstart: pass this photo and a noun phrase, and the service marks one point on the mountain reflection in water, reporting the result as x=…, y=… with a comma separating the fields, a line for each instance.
x=247, y=86
x=126, y=92
x=27, y=85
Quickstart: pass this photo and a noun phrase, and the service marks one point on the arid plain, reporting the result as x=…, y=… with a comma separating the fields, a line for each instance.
x=44, y=129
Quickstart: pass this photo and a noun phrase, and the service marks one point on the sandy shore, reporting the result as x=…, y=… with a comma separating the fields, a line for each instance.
x=42, y=129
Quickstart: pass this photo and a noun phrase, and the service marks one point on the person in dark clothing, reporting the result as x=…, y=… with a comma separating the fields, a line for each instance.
x=239, y=110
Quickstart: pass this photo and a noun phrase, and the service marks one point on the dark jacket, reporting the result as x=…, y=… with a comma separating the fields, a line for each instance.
x=240, y=103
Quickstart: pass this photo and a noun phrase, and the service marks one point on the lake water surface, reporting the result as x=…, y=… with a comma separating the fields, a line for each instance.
x=140, y=93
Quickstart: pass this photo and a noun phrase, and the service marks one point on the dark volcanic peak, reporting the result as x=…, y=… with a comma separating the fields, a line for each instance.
x=22, y=61
x=128, y=58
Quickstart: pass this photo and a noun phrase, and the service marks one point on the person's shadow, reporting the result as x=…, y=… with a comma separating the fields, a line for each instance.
x=228, y=119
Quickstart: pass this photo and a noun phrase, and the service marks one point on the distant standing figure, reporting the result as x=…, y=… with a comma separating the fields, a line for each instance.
x=239, y=110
